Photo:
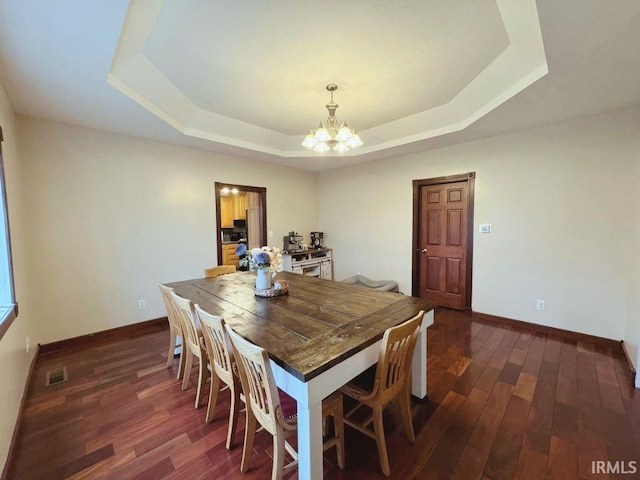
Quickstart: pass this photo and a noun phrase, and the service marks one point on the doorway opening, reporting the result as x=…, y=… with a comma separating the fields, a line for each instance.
x=443, y=239
x=241, y=217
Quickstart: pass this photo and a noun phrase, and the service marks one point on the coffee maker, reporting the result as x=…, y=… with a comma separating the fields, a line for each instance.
x=292, y=242
x=317, y=240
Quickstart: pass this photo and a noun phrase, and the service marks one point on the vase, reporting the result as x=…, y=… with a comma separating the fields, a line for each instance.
x=263, y=279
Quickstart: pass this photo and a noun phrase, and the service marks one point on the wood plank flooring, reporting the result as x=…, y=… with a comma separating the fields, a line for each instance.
x=504, y=402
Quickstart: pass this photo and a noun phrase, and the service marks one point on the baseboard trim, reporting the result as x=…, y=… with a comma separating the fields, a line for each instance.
x=105, y=336
x=605, y=342
x=8, y=464
x=626, y=354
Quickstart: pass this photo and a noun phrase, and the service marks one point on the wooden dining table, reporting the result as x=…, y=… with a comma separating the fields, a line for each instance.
x=319, y=336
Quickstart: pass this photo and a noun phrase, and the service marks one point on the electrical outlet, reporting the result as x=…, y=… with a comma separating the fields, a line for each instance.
x=142, y=304
x=270, y=233
x=27, y=344
x=540, y=304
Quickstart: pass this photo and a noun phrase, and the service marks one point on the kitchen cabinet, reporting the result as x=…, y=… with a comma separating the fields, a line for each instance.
x=229, y=256
x=240, y=207
x=313, y=263
x=232, y=207
x=227, y=212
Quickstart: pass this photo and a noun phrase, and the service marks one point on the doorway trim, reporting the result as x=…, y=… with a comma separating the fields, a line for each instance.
x=261, y=191
x=470, y=178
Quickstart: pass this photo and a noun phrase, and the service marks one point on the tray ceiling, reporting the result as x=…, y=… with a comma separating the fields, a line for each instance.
x=251, y=74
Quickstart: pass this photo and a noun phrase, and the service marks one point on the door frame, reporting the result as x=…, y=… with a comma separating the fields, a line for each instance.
x=262, y=200
x=470, y=178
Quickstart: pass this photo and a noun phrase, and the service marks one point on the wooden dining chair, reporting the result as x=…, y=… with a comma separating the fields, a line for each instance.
x=274, y=410
x=220, y=270
x=175, y=329
x=222, y=365
x=193, y=344
x=392, y=381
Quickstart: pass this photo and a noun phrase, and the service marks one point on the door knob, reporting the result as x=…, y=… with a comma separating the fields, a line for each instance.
x=424, y=250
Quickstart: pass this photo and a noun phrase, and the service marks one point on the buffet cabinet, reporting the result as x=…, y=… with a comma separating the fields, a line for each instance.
x=313, y=263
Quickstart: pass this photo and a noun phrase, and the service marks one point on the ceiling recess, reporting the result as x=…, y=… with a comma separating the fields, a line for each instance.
x=452, y=62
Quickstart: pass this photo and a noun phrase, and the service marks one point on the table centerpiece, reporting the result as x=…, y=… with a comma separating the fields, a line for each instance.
x=266, y=261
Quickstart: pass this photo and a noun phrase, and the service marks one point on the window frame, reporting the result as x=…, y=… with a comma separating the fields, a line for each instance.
x=7, y=318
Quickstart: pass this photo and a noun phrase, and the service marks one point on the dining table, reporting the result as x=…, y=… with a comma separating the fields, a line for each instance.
x=318, y=336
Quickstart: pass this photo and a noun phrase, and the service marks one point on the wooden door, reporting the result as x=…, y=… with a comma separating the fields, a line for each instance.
x=444, y=241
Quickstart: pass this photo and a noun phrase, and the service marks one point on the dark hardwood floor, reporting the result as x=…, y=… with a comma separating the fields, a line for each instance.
x=504, y=402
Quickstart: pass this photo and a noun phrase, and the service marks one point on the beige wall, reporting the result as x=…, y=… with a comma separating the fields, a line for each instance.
x=107, y=216
x=632, y=331
x=111, y=216
x=559, y=201
x=14, y=360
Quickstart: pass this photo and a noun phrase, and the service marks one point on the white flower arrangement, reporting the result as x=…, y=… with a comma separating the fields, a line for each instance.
x=265, y=258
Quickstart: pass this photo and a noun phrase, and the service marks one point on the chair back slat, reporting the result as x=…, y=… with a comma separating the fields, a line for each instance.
x=170, y=306
x=217, y=343
x=257, y=380
x=188, y=320
x=219, y=270
x=396, y=352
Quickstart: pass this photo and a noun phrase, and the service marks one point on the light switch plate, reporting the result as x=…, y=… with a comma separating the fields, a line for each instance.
x=485, y=228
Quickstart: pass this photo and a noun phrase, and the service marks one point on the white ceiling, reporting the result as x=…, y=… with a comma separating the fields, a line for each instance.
x=267, y=63
x=247, y=78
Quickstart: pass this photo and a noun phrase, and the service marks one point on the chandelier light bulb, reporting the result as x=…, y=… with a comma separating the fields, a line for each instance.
x=341, y=147
x=328, y=136
x=322, y=134
x=344, y=133
x=354, y=141
x=321, y=147
x=309, y=140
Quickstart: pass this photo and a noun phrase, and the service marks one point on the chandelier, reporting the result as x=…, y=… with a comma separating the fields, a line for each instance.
x=330, y=136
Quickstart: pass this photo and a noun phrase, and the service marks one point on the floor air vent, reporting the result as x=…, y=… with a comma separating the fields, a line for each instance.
x=56, y=376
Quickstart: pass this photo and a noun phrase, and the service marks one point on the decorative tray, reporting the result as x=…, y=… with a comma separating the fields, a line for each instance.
x=271, y=292
x=279, y=287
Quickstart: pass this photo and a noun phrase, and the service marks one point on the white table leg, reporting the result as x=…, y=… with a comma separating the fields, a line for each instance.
x=419, y=362
x=419, y=367
x=310, y=441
